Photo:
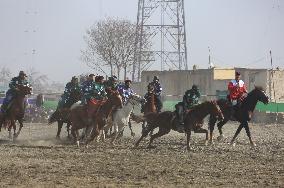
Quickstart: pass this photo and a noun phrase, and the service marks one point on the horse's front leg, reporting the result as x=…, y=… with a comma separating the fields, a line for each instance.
x=130, y=127
x=246, y=126
x=236, y=134
x=220, y=126
x=201, y=130
x=188, y=139
x=20, y=128
x=115, y=127
x=59, y=124
x=211, y=125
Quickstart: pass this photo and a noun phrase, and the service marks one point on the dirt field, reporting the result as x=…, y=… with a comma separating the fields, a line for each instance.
x=36, y=159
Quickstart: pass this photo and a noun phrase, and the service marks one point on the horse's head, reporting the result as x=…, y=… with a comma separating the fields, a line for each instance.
x=216, y=111
x=260, y=95
x=24, y=90
x=135, y=100
x=115, y=98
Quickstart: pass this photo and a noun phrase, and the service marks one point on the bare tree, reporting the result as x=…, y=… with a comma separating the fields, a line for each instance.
x=110, y=44
x=36, y=79
x=5, y=76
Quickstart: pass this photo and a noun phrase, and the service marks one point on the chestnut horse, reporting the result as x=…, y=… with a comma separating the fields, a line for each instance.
x=63, y=115
x=99, y=117
x=243, y=114
x=149, y=107
x=15, y=111
x=166, y=121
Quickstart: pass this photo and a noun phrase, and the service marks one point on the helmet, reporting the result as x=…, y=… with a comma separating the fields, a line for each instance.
x=156, y=78
x=237, y=73
x=112, y=78
x=74, y=78
x=22, y=73
x=127, y=81
x=194, y=86
x=99, y=78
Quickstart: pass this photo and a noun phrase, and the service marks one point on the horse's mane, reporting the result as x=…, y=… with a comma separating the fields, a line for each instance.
x=199, y=106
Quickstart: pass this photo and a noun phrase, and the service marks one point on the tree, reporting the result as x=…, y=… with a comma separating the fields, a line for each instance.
x=36, y=79
x=110, y=44
x=5, y=76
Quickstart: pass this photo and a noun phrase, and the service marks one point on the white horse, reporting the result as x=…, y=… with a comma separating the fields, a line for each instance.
x=121, y=117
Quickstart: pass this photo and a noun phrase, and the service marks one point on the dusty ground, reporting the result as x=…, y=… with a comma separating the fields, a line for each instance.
x=36, y=159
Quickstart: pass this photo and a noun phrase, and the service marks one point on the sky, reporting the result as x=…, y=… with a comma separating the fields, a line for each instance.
x=47, y=35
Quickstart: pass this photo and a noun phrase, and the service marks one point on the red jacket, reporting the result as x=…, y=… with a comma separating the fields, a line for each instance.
x=236, y=89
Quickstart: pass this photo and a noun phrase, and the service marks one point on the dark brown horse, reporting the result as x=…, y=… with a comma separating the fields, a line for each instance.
x=63, y=115
x=99, y=117
x=242, y=115
x=15, y=111
x=168, y=120
x=150, y=106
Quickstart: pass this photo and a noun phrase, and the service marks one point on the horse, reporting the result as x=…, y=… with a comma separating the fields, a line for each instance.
x=99, y=117
x=121, y=117
x=63, y=115
x=243, y=114
x=167, y=121
x=15, y=111
x=150, y=106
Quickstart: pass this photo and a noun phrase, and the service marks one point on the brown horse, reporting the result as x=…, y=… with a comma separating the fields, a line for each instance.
x=243, y=114
x=99, y=117
x=15, y=111
x=63, y=115
x=167, y=121
x=150, y=106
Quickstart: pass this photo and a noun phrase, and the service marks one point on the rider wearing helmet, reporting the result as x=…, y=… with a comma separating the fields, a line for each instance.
x=125, y=90
x=190, y=99
x=111, y=83
x=70, y=88
x=157, y=91
x=13, y=87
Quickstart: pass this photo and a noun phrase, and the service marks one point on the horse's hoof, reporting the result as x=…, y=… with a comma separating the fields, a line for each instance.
x=151, y=147
x=253, y=145
x=132, y=134
x=211, y=142
x=78, y=143
x=57, y=138
x=221, y=137
x=233, y=143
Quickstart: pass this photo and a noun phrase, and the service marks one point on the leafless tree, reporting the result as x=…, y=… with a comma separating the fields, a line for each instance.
x=5, y=76
x=111, y=44
x=36, y=79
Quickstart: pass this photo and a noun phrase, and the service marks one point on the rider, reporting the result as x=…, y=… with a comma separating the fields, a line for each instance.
x=157, y=91
x=111, y=83
x=147, y=97
x=190, y=99
x=86, y=88
x=13, y=88
x=237, y=91
x=70, y=88
x=125, y=90
x=95, y=95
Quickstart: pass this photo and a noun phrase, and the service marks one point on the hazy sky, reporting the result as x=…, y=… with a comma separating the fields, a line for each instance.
x=48, y=34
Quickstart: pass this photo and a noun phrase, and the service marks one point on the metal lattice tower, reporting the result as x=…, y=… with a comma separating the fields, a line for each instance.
x=163, y=23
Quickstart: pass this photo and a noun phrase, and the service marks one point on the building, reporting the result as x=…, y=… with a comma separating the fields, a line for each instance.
x=213, y=82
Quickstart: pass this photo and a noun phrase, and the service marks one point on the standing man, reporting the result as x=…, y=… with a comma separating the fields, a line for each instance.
x=157, y=91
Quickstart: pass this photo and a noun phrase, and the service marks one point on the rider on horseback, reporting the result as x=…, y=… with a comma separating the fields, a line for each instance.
x=93, y=94
x=125, y=90
x=157, y=91
x=147, y=97
x=11, y=93
x=190, y=99
x=111, y=83
x=70, y=88
x=237, y=92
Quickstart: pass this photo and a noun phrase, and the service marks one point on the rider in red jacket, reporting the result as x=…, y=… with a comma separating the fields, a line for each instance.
x=237, y=92
x=237, y=88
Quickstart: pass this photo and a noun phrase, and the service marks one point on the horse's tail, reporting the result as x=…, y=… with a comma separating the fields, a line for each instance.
x=53, y=117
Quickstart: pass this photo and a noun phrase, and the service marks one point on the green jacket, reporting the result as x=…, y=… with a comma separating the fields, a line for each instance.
x=191, y=98
x=17, y=81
